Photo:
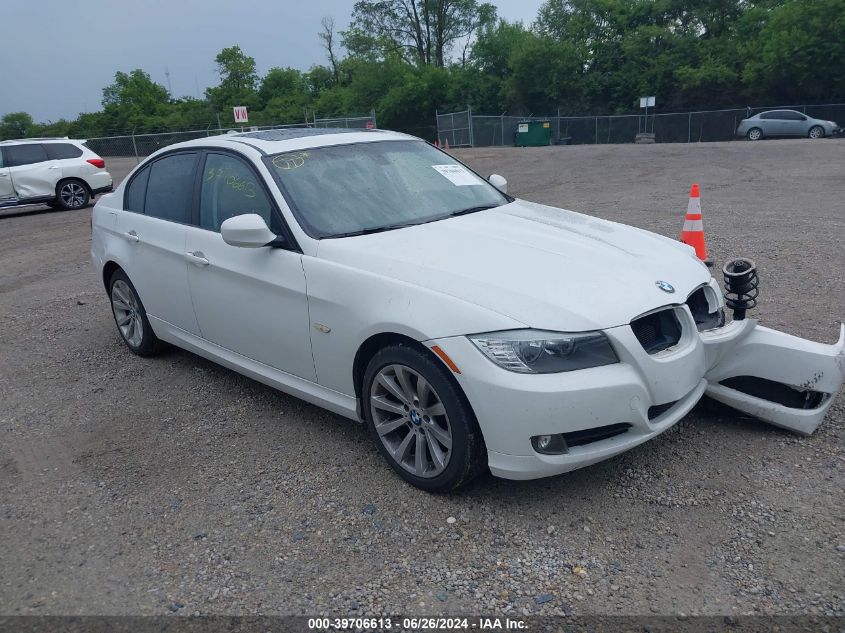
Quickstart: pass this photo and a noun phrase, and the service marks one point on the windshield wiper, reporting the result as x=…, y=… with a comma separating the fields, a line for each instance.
x=402, y=225
x=374, y=229
x=468, y=210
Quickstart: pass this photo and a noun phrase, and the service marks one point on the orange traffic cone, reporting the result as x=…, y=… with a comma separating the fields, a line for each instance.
x=447, y=143
x=437, y=143
x=693, y=231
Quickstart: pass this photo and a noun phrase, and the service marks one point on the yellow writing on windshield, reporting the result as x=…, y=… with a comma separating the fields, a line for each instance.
x=294, y=160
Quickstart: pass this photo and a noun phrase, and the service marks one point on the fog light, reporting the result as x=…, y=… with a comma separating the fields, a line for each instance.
x=549, y=444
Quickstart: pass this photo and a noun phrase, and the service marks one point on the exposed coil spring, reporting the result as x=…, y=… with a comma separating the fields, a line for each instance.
x=741, y=286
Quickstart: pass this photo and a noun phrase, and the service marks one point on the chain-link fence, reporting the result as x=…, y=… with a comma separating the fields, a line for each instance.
x=455, y=129
x=467, y=129
x=141, y=145
x=367, y=121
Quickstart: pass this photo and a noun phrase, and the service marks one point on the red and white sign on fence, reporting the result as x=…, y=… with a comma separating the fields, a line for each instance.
x=240, y=114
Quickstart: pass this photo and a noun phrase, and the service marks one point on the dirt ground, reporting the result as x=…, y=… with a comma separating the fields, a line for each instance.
x=171, y=485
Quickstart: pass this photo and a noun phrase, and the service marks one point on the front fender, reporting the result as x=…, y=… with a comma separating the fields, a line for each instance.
x=355, y=305
x=779, y=378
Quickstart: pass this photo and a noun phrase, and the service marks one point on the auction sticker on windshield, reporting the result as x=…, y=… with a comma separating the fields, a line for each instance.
x=457, y=174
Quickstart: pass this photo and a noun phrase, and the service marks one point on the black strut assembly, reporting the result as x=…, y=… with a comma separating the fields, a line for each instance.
x=740, y=286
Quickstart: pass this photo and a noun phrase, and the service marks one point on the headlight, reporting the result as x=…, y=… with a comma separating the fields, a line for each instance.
x=538, y=352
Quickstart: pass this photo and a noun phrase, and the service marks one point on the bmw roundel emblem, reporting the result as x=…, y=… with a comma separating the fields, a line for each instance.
x=665, y=286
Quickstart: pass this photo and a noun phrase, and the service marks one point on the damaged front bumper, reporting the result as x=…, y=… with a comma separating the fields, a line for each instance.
x=779, y=378
x=603, y=411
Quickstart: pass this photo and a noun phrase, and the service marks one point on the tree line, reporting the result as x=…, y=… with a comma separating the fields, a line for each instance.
x=407, y=58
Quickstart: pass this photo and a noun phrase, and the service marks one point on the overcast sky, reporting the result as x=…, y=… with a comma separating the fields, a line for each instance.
x=59, y=54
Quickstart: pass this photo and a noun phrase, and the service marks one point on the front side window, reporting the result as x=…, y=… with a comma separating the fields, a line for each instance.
x=794, y=116
x=231, y=188
x=62, y=150
x=352, y=189
x=25, y=154
x=170, y=187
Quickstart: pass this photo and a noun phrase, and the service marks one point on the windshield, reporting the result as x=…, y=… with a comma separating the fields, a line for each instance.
x=360, y=188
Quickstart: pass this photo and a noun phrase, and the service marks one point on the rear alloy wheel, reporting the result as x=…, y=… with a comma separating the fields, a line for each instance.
x=72, y=194
x=755, y=134
x=817, y=131
x=131, y=317
x=420, y=420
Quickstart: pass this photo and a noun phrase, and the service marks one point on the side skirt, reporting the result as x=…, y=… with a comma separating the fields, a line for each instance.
x=294, y=385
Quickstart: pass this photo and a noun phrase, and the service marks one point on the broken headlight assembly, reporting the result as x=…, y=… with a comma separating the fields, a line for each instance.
x=542, y=352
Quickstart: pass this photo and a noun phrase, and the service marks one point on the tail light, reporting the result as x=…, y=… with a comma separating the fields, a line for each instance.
x=99, y=163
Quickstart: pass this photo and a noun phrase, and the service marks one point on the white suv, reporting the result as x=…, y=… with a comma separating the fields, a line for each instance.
x=59, y=172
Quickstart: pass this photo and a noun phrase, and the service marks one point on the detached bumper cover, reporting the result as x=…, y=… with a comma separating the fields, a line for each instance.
x=648, y=392
x=773, y=357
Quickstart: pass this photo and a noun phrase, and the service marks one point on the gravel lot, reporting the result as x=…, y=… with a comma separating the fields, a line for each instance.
x=171, y=485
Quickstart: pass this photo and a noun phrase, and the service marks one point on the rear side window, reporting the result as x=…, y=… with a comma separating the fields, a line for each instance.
x=133, y=199
x=26, y=154
x=170, y=187
x=778, y=115
x=57, y=151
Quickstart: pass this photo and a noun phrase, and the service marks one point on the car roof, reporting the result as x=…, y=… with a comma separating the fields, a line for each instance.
x=293, y=139
x=779, y=110
x=40, y=140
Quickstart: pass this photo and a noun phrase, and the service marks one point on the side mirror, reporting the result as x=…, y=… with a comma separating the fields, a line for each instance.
x=499, y=182
x=248, y=231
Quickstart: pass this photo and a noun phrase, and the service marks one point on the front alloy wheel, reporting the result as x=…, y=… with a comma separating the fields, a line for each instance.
x=73, y=195
x=420, y=419
x=816, y=132
x=411, y=421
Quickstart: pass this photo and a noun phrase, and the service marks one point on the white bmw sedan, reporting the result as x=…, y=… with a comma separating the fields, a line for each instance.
x=376, y=276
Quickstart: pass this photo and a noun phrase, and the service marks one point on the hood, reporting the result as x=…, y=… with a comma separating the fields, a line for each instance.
x=544, y=267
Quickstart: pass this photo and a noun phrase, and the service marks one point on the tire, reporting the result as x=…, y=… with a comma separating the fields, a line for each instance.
x=817, y=131
x=410, y=401
x=754, y=134
x=131, y=317
x=72, y=194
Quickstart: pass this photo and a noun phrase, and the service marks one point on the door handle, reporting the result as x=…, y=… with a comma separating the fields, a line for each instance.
x=53, y=167
x=197, y=258
x=132, y=236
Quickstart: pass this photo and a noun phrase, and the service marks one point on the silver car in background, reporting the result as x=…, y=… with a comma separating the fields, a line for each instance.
x=785, y=123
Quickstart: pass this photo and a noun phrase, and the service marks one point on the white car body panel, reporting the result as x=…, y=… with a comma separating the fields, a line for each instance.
x=296, y=321
x=252, y=301
x=157, y=248
x=37, y=180
x=7, y=191
x=357, y=305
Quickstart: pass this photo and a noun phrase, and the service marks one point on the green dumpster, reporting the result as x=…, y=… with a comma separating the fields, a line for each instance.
x=533, y=134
